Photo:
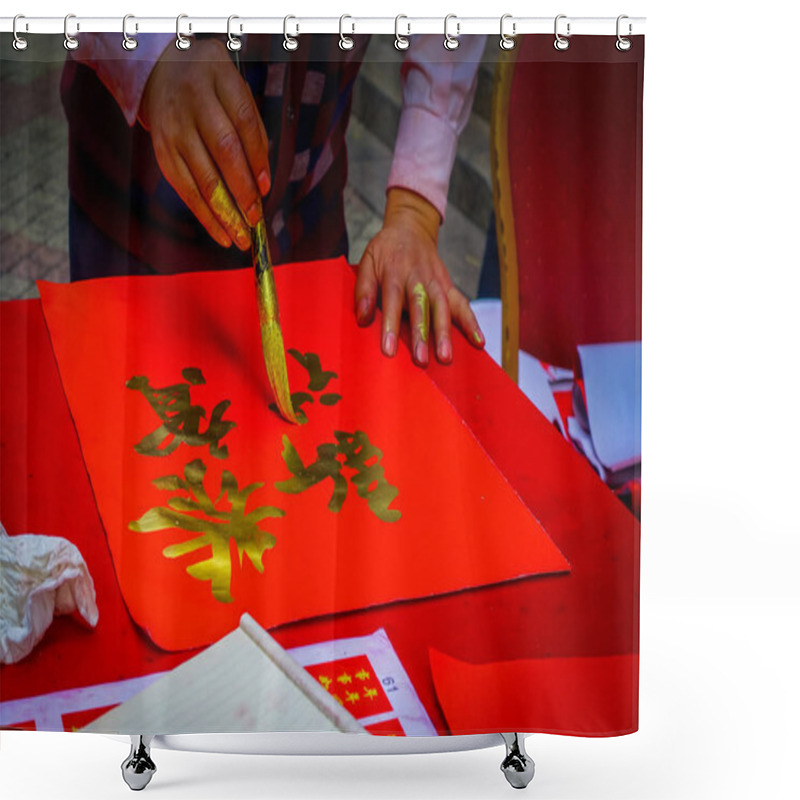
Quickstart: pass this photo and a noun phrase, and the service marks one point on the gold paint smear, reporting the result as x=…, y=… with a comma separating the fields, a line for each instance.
x=224, y=208
x=421, y=298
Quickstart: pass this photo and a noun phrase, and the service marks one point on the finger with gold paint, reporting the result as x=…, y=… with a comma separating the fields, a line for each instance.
x=419, y=315
x=228, y=215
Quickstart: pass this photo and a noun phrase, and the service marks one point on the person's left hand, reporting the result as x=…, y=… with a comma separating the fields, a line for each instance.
x=402, y=260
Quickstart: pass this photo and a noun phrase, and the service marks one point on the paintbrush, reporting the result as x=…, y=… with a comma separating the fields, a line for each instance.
x=268, y=316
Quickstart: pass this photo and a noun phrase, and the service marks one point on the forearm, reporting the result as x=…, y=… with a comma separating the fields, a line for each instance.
x=123, y=72
x=438, y=90
x=402, y=203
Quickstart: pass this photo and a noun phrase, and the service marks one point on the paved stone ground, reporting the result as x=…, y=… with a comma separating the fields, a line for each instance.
x=34, y=239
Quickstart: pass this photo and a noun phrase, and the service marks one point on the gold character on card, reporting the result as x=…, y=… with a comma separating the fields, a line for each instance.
x=359, y=455
x=198, y=514
x=180, y=419
x=318, y=379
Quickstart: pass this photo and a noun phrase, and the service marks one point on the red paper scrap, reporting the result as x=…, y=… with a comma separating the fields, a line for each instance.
x=389, y=727
x=591, y=696
x=75, y=720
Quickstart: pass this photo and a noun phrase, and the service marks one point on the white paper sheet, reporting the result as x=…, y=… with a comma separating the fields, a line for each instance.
x=612, y=379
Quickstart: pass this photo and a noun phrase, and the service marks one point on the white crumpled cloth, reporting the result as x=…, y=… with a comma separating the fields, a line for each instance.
x=40, y=576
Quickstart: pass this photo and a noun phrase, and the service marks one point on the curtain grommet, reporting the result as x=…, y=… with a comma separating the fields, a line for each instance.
x=507, y=42
x=290, y=43
x=401, y=42
x=19, y=43
x=181, y=41
x=70, y=42
x=561, y=43
x=451, y=42
x=129, y=42
x=622, y=44
x=234, y=43
x=346, y=42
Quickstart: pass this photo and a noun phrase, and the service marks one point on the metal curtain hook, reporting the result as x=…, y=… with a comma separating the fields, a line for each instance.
x=129, y=42
x=451, y=42
x=289, y=42
x=234, y=43
x=401, y=42
x=561, y=43
x=70, y=42
x=19, y=43
x=623, y=45
x=507, y=42
x=346, y=42
x=181, y=42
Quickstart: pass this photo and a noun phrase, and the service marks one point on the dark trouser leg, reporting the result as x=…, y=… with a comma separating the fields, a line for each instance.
x=93, y=255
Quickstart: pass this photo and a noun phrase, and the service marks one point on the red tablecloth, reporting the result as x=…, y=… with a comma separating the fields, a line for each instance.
x=591, y=612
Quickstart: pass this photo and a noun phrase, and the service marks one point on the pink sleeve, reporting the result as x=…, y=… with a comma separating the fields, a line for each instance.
x=438, y=89
x=123, y=72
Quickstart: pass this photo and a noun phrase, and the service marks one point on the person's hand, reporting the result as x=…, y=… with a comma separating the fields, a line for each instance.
x=209, y=138
x=403, y=261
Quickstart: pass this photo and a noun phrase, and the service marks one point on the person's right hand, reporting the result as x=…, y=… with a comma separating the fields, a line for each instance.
x=209, y=138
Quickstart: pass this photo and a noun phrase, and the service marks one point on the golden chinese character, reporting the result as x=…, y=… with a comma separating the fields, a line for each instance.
x=363, y=675
x=370, y=694
x=297, y=398
x=180, y=419
x=199, y=514
x=352, y=697
x=318, y=378
x=359, y=455
x=345, y=678
x=326, y=466
x=358, y=451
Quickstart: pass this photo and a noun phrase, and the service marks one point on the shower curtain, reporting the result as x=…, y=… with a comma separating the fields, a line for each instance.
x=320, y=385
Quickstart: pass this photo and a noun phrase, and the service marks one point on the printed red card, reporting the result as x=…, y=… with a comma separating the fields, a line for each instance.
x=354, y=684
x=213, y=505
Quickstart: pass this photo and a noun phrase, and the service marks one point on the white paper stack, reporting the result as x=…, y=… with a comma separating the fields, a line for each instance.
x=245, y=683
x=607, y=426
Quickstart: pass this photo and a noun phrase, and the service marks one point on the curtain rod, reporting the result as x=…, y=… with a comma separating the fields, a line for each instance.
x=456, y=26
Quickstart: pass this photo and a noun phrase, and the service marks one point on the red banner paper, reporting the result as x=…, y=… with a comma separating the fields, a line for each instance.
x=590, y=696
x=213, y=505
